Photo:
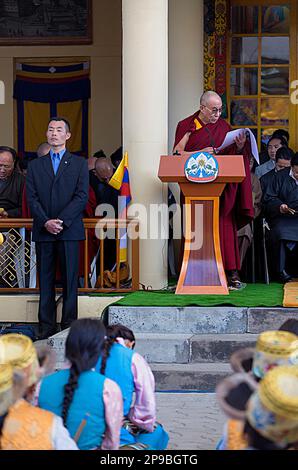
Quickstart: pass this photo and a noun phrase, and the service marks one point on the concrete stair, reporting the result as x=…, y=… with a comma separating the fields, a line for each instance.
x=189, y=377
x=201, y=320
x=189, y=348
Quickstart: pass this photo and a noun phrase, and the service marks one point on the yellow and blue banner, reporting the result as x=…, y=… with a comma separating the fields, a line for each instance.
x=42, y=91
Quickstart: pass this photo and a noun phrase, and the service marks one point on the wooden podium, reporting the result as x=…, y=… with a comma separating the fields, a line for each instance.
x=202, y=270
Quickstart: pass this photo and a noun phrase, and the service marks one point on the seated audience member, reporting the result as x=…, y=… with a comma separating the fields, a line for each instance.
x=92, y=160
x=245, y=234
x=273, y=145
x=281, y=209
x=242, y=360
x=43, y=149
x=122, y=332
x=264, y=157
x=132, y=373
x=267, y=412
x=282, y=160
x=105, y=195
x=273, y=348
x=22, y=425
x=11, y=184
x=116, y=157
x=99, y=180
x=272, y=411
x=11, y=191
x=89, y=403
x=282, y=133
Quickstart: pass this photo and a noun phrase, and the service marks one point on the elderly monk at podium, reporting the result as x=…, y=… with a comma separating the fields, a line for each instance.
x=205, y=130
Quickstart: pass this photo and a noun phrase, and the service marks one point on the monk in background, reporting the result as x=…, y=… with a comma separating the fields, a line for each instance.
x=205, y=131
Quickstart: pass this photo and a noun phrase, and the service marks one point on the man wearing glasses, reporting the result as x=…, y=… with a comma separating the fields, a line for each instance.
x=205, y=131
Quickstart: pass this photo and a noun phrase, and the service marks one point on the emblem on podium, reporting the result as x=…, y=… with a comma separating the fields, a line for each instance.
x=201, y=167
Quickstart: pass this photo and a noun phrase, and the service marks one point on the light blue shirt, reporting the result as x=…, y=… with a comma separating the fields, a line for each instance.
x=56, y=159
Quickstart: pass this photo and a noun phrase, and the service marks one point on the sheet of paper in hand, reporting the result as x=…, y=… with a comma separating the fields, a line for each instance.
x=230, y=139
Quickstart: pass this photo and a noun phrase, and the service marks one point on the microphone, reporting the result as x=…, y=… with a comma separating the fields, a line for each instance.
x=211, y=140
x=2, y=238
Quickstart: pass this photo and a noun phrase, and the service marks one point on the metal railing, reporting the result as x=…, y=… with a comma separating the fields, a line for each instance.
x=16, y=258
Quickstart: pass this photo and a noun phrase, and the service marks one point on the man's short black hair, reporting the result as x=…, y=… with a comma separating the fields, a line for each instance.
x=294, y=160
x=116, y=156
x=4, y=148
x=283, y=141
x=281, y=132
x=57, y=118
x=99, y=154
x=284, y=153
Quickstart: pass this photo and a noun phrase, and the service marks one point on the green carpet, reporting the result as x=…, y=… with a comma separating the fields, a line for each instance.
x=254, y=295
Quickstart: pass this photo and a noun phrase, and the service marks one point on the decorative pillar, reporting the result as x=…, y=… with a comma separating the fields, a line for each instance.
x=145, y=123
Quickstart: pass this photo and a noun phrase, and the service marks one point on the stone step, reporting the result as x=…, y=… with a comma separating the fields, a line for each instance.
x=164, y=348
x=202, y=377
x=154, y=347
x=181, y=320
x=183, y=349
x=198, y=377
x=262, y=319
x=178, y=348
x=201, y=320
x=218, y=348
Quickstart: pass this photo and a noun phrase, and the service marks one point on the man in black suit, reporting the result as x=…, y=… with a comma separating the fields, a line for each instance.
x=282, y=160
x=57, y=192
x=281, y=205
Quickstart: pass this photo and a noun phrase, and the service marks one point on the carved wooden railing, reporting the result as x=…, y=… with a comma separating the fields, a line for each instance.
x=15, y=254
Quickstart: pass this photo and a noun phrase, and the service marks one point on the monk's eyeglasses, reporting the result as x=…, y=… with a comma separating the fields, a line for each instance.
x=214, y=111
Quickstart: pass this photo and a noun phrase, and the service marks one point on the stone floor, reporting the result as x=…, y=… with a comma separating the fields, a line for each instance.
x=193, y=420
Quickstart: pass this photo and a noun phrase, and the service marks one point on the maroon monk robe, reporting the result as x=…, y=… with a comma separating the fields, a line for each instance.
x=236, y=207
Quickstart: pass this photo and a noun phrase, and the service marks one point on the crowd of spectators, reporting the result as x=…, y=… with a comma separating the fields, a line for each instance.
x=275, y=198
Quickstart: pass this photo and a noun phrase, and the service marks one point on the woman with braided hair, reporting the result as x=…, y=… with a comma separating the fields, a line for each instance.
x=89, y=403
x=121, y=331
x=131, y=372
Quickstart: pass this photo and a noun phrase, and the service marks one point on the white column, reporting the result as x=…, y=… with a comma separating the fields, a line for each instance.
x=145, y=121
x=186, y=70
x=186, y=60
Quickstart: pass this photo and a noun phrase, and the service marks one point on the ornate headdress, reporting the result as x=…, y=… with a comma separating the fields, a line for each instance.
x=6, y=388
x=18, y=351
x=273, y=410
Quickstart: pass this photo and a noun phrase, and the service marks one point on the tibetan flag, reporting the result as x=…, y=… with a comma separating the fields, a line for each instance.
x=120, y=181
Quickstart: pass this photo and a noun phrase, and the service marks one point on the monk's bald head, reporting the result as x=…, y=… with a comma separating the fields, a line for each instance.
x=210, y=107
x=210, y=96
x=43, y=149
x=104, y=169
